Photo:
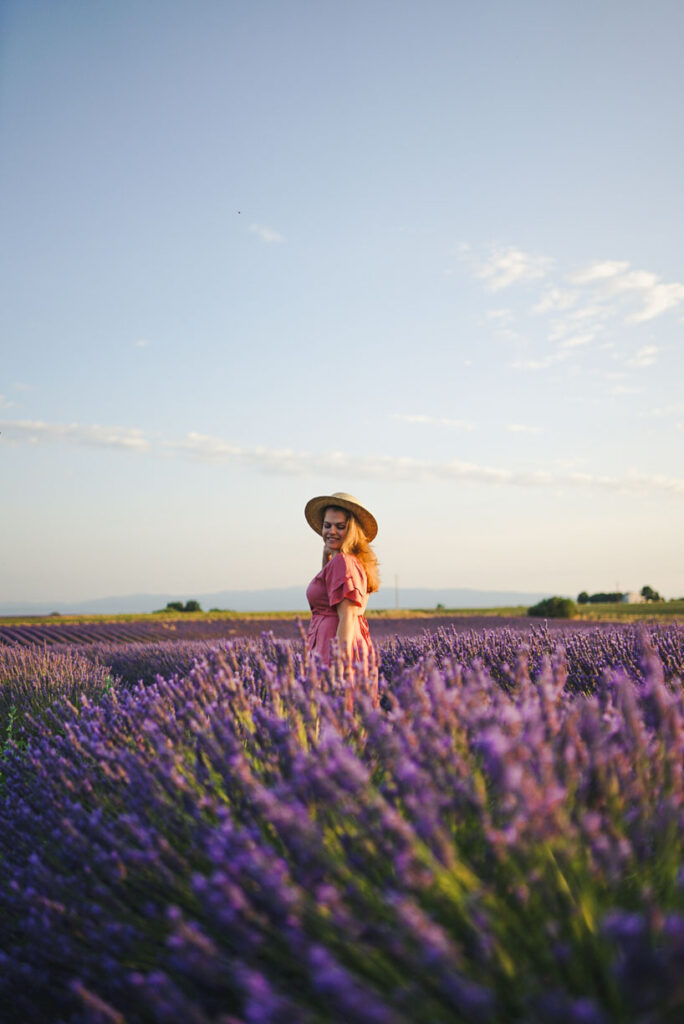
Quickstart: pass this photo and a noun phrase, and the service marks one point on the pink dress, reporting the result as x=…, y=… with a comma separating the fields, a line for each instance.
x=342, y=577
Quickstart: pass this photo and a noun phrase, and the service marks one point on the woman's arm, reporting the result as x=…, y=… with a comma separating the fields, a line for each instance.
x=346, y=616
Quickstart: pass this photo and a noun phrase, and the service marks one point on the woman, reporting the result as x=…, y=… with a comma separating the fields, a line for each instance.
x=338, y=594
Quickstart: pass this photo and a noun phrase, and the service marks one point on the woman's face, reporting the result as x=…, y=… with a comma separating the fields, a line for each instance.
x=335, y=526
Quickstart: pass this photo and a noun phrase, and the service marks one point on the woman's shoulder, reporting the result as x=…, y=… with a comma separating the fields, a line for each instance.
x=343, y=563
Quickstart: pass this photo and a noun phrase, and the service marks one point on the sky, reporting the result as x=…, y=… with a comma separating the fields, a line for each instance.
x=425, y=253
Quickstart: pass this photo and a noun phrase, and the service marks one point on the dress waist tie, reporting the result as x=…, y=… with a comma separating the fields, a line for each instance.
x=331, y=613
x=315, y=624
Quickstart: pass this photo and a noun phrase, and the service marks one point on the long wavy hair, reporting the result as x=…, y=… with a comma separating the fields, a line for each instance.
x=356, y=543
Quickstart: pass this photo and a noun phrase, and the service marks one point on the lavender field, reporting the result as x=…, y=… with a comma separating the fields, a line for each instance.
x=209, y=831
x=154, y=630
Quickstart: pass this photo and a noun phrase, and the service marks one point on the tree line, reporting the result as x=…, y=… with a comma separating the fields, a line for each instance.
x=648, y=594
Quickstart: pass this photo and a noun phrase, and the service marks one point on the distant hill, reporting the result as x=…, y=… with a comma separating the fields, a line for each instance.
x=277, y=599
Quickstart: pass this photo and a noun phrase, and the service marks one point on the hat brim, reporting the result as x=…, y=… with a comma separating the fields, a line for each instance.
x=315, y=509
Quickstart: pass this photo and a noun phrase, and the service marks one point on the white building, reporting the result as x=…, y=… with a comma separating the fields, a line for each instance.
x=633, y=597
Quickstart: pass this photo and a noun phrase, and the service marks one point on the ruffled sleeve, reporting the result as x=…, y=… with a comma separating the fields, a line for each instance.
x=345, y=578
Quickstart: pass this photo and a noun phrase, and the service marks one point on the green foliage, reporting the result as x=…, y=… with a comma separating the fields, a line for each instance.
x=663, y=611
x=554, y=608
x=9, y=731
x=178, y=606
x=615, y=597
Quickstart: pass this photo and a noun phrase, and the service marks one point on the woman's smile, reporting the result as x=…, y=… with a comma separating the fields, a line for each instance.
x=334, y=528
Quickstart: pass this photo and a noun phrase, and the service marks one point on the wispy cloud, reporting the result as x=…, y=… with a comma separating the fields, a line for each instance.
x=521, y=428
x=646, y=356
x=141, y=343
x=614, y=279
x=5, y=403
x=438, y=421
x=287, y=461
x=506, y=266
x=266, y=234
x=554, y=300
x=602, y=280
x=657, y=296
x=578, y=340
x=590, y=317
x=541, y=364
x=36, y=432
x=500, y=316
x=398, y=467
x=664, y=411
x=578, y=306
x=603, y=270
x=618, y=390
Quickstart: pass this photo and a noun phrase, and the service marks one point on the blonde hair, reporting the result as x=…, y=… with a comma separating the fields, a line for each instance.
x=356, y=543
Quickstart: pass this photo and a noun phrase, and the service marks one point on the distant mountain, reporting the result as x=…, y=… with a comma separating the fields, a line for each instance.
x=277, y=599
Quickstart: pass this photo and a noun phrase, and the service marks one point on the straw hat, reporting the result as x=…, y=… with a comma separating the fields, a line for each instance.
x=316, y=507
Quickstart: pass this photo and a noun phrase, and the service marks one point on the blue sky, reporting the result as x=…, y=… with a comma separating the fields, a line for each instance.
x=428, y=253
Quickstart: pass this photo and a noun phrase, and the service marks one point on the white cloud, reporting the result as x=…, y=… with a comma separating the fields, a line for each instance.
x=509, y=336
x=266, y=234
x=5, y=403
x=521, y=428
x=598, y=271
x=578, y=340
x=635, y=281
x=663, y=411
x=289, y=462
x=37, y=432
x=541, y=364
x=555, y=299
x=533, y=364
x=141, y=343
x=657, y=300
x=632, y=482
x=585, y=320
x=624, y=389
x=614, y=278
x=440, y=421
x=507, y=266
x=595, y=312
x=570, y=463
x=500, y=316
x=646, y=356
x=602, y=281
x=591, y=301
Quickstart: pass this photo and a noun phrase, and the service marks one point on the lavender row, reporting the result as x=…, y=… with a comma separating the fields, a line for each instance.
x=236, y=846
x=33, y=678
x=159, y=630
x=588, y=652
x=138, y=631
